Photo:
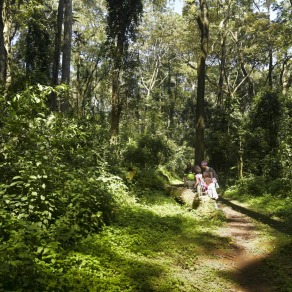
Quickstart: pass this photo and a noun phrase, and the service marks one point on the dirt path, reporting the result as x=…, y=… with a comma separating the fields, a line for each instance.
x=242, y=261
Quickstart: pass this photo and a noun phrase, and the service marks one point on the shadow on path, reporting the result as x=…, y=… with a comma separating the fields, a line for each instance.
x=270, y=272
x=278, y=225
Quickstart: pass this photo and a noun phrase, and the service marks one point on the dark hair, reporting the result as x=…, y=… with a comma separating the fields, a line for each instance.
x=204, y=163
x=197, y=169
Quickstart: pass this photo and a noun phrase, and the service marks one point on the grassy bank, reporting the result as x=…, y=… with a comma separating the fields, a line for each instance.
x=153, y=246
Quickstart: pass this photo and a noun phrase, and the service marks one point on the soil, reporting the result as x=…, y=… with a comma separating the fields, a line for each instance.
x=242, y=261
x=248, y=256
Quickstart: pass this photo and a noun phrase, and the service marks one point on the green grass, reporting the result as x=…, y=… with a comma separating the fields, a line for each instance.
x=154, y=246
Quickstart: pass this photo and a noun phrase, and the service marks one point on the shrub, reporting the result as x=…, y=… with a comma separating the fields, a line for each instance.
x=254, y=186
x=148, y=152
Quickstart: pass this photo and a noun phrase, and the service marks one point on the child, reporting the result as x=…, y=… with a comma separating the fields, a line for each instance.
x=199, y=179
x=211, y=188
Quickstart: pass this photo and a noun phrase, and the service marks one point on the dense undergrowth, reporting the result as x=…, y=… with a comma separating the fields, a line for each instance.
x=271, y=198
x=77, y=214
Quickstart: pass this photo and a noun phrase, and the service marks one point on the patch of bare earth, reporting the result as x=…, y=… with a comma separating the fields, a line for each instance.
x=241, y=261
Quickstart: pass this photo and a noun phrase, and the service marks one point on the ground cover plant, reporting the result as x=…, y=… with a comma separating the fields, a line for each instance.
x=79, y=214
x=153, y=246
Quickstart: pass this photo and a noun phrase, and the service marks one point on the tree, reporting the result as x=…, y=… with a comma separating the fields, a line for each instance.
x=37, y=49
x=3, y=51
x=123, y=17
x=203, y=24
x=67, y=45
x=57, y=52
x=64, y=48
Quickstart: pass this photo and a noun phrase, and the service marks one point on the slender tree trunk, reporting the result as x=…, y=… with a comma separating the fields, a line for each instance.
x=203, y=23
x=3, y=52
x=57, y=53
x=240, y=158
x=285, y=76
x=116, y=99
x=66, y=59
x=270, y=73
x=171, y=95
x=58, y=43
x=221, y=68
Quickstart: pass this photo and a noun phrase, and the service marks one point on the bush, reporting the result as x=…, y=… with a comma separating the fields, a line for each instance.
x=254, y=186
x=55, y=189
x=148, y=152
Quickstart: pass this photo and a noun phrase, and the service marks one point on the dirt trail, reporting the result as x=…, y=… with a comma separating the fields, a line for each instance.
x=242, y=261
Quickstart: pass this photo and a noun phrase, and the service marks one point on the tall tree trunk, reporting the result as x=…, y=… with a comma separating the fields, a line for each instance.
x=118, y=53
x=270, y=73
x=203, y=23
x=57, y=53
x=221, y=67
x=5, y=56
x=285, y=76
x=3, y=52
x=66, y=59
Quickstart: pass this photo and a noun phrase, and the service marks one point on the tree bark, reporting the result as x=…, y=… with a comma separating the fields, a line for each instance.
x=270, y=72
x=5, y=25
x=116, y=99
x=203, y=23
x=3, y=52
x=58, y=43
x=57, y=53
x=221, y=68
x=66, y=58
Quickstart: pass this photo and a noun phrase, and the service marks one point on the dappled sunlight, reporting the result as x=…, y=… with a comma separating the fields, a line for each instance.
x=154, y=249
x=259, y=259
x=278, y=225
x=266, y=273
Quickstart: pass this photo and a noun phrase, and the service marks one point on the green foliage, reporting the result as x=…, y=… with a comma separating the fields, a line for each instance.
x=55, y=188
x=180, y=155
x=123, y=17
x=151, y=179
x=222, y=138
x=256, y=186
x=148, y=152
x=263, y=135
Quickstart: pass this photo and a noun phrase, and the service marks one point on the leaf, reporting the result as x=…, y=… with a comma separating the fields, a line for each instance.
x=16, y=183
x=40, y=249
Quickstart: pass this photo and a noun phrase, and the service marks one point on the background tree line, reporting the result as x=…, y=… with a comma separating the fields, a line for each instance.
x=196, y=78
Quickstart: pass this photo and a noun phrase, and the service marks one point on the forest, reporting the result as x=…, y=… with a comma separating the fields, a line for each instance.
x=103, y=103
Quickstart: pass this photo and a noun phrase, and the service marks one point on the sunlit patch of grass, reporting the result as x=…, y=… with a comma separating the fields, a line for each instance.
x=154, y=246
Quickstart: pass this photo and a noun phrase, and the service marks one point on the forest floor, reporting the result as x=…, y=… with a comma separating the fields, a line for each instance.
x=159, y=244
x=248, y=261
